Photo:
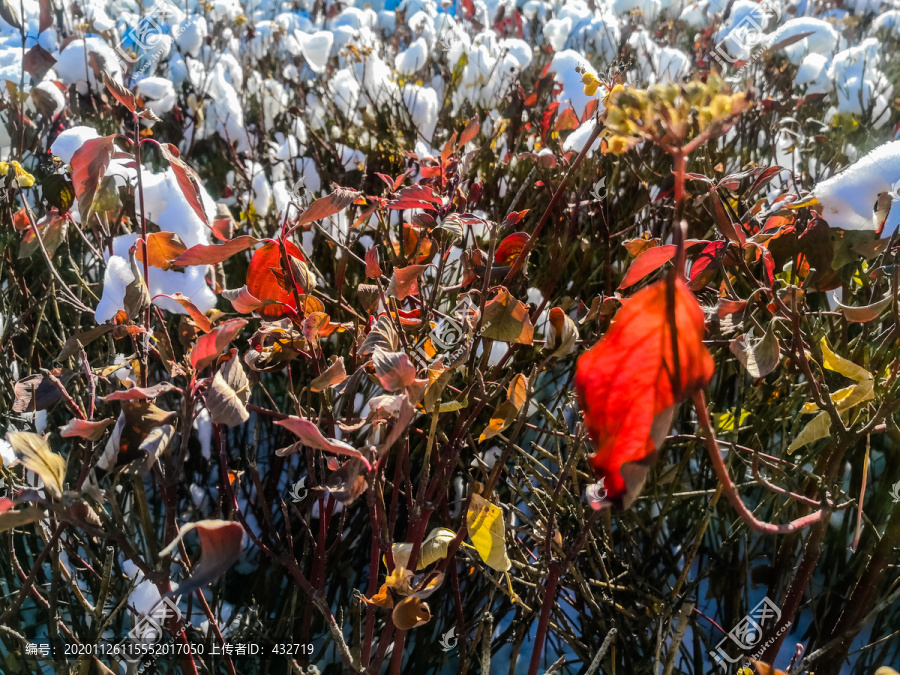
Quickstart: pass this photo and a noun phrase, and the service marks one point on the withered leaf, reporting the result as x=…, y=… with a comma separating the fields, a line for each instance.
x=35, y=453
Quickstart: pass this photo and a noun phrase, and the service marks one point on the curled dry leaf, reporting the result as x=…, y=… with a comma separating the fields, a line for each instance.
x=506, y=413
x=629, y=403
x=137, y=297
x=382, y=598
x=220, y=547
x=242, y=300
x=90, y=430
x=488, y=533
x=346, y=483
x=35, y=454
x=561, y=334
x=329, y=205
x=310, y=436
x=410, y=613
x=332, y=376
x=36, y=392
x=865, y=313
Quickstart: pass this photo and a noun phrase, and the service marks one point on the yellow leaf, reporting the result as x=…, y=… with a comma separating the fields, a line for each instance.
x=841, y=365
x=487, y=532
x=818, y=427
x=36, y=455
x=434, y=548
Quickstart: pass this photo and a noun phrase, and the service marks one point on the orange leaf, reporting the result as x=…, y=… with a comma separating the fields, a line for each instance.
x=648, y=261
x=162, y=249
x=208, y=347
x=470, y=132
x=264, y=284
x=199, y=317
x=630, y=382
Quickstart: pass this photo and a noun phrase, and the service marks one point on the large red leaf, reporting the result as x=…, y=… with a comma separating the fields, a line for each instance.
x=264, y=284
x=88, y=166
x=630, y=382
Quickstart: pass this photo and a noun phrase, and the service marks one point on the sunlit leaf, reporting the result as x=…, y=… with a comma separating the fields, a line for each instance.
x=488, y=533
x=310, y=436
x=333, y=375
x=35, y=453
x=629, y=403
x=506, y=319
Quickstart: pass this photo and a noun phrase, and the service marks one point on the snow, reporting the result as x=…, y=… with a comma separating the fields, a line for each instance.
x=847, y=198
x=115, y=281
x=70, y=141
x=564, y=66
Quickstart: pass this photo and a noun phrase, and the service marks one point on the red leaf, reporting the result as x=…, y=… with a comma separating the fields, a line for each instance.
x=590, y=109
x=336, y=202
x=548, y=118
x=264, y=284
x=629, y=403
x=416, y=197
x=510, y=248
x=208, y=347
x=88, y=166
x=648, y=261
x=221, y=542
x=120, y=92
x=136, y=393
x=514, y=218
x=373, y=269
x=46, y=16
x=242, y=300
x=310, y=436
x=214, y=253
x=187, y=178
x=404, y=281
